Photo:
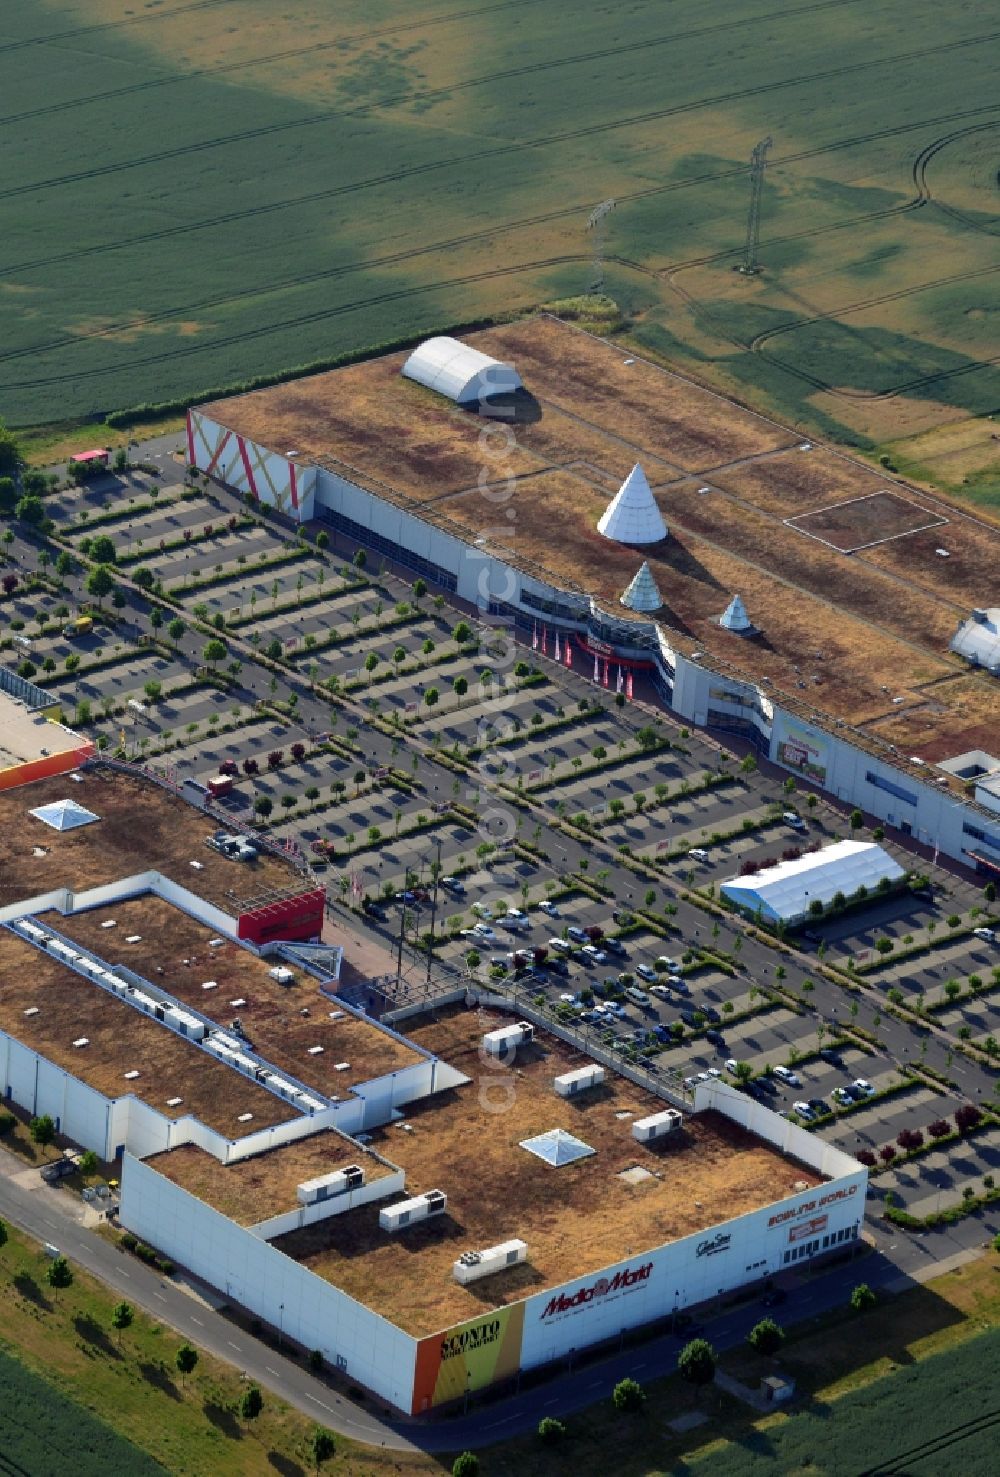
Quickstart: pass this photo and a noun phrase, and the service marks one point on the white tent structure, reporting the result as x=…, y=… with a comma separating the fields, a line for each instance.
x=64, y=815
x=557, y=1147
x=642, y=593
x=978, y=639
x=461, y=373
x=734, y=618
x=632, y=516
x=784, y=893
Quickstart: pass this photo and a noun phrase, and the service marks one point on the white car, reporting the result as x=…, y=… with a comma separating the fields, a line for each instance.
x=842, y=1096
x=794, y=820
x=515, y=915
x=561, y=946
x=593, y=952
x=860, y=1084
x=786, y=1075
x=569, y=999
x=645, y=972
x=482, y=910
x=549, y=908
x=672, y=965
x=804, y=1111
x=660, y=991
x=698, y=854
x=731, y=1066
x=702, y=1077
x=714, y=1072
x=986, y=934
x=483, y=931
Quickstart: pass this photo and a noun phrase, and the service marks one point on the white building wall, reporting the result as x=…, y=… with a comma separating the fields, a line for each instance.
x=254, y=1274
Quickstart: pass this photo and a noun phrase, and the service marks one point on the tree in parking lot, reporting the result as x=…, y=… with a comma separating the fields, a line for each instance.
x=462, y=633
x=866, y=1157
x=298, y=752
x=646, y=738
x=102, y=550
x=213, y=652
x=275, y=759
x=696, y=1362
x=175, y=629
x=909, y=1139
x=431, y=696
x=967, y=1117
x=628, y=1395
x=100, y=583
x=887, y=1154
x=42, y=1130
x=144, y=578
x=766, y=1337
x=263, y=805
x=31, y=510
x=862, y=1298
x=743, y=1072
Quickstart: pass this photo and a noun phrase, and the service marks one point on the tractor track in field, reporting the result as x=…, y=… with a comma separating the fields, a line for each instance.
x=419, y=94
x=495, y=150
x=441, y=18
x=937, y=1444
x=403, y=257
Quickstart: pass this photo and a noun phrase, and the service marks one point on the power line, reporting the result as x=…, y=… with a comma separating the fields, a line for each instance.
x=597, y=225
x=758, y=163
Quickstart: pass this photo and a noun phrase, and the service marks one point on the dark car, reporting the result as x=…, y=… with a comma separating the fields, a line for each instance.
x=614, y=946
x=764, y=1084
x=829, y=1056
x=773, y=1297
x=818, y=1105
x=57, y=1170
x=716, y=1038
x=710, y=1013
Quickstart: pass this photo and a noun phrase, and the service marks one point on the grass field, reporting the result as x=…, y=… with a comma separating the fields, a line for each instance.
x=196, y=193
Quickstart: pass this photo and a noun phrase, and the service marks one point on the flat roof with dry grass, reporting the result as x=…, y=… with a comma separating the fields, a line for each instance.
x=252, y=1190
x=121, y=1039
x=575, y=1219
x=142, y=828
x=837, y=627
x=282, y=1021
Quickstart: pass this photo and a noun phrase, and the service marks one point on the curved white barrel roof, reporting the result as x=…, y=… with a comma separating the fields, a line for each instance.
x=460, y=372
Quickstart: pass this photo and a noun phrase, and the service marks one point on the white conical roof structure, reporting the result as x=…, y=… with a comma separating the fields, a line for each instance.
x=735, y=617
x=642, y=593
x=632, y=516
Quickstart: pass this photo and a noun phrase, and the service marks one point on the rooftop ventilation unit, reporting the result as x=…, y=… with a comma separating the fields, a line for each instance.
x=408, y=1212
x=174, y=1102
x=657, y=1125
x=82, y=1041
x=311, y=1104
x=508, y=1038
x=570, y=1083
x=281, y=974
x=472, y=1265
x=244, y=1118
x=326, y=1186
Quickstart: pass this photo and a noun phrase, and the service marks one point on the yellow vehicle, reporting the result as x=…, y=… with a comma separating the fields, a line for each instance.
x=80, y=626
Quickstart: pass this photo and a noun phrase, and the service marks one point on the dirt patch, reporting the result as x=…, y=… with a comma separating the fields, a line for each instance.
x=872, y=519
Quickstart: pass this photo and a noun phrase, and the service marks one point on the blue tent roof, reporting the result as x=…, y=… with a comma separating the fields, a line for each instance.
x=557, y=1147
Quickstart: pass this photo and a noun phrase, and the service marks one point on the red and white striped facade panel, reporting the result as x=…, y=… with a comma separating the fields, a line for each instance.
x=271, y=477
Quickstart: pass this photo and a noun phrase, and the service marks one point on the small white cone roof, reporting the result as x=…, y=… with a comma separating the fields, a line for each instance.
x=735, y=617
x=632, y=516
x=642, y=593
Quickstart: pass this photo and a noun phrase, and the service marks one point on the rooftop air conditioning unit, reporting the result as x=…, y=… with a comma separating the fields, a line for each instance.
x=472, y=1265
x=571, y=1083
x=326, y=1186
x=658, y=1124
x=408, y=1212
x=281, y=974
x=508, y=1038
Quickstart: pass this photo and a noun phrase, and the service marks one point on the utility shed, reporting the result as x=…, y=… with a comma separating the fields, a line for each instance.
x=465, y=375
x=785, y=892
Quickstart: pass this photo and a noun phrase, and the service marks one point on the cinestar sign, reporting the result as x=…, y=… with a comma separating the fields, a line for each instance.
x=713, y=1244
x=622, y=1281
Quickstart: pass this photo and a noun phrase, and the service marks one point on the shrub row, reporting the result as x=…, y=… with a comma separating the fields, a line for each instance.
x=146, y=1254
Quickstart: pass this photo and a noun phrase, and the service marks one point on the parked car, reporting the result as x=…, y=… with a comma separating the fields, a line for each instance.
x=483, y=931
x=830, y=1056
x=645, y=972
x=731, y=1065
x=637, y=996
x=594, y=953
x=549, y=908
x=711, y=1014
x=716, y=1038
x=987, y=935
x=454, y=885
x=576, y=934
x=794, y=820
x=676, y=983
x=843, y=1096
x=561, y=946
x=818, y=1106
x=615, y=946
x=786, y=1075
x=482, y=910
x=516, y=915
x=698, y=854
x=714, y=1072
x=863, y=1086
x=804, y=1111
x=672, y=965
x=660, y=991
x=498, y=961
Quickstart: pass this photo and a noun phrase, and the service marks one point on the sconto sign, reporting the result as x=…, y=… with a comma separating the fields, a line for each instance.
x=468, y=1339
x=713, y=1244
x=843, y=1193
x=622, y=1281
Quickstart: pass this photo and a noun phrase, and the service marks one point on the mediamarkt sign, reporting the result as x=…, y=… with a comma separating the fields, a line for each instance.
x=622, y=1281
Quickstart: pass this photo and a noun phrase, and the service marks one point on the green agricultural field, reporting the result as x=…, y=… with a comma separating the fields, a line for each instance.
x=41, y=1431
x=938, y=1416
x=196, y=192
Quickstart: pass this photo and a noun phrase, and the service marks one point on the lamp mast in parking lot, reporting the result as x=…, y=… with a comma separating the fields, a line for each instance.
x=434, y=904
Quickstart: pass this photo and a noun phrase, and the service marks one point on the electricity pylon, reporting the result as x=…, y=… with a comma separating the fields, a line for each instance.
x=596, y=223
x=758, y=163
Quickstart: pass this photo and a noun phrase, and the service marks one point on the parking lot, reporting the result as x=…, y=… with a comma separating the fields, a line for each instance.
x=314, y=645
